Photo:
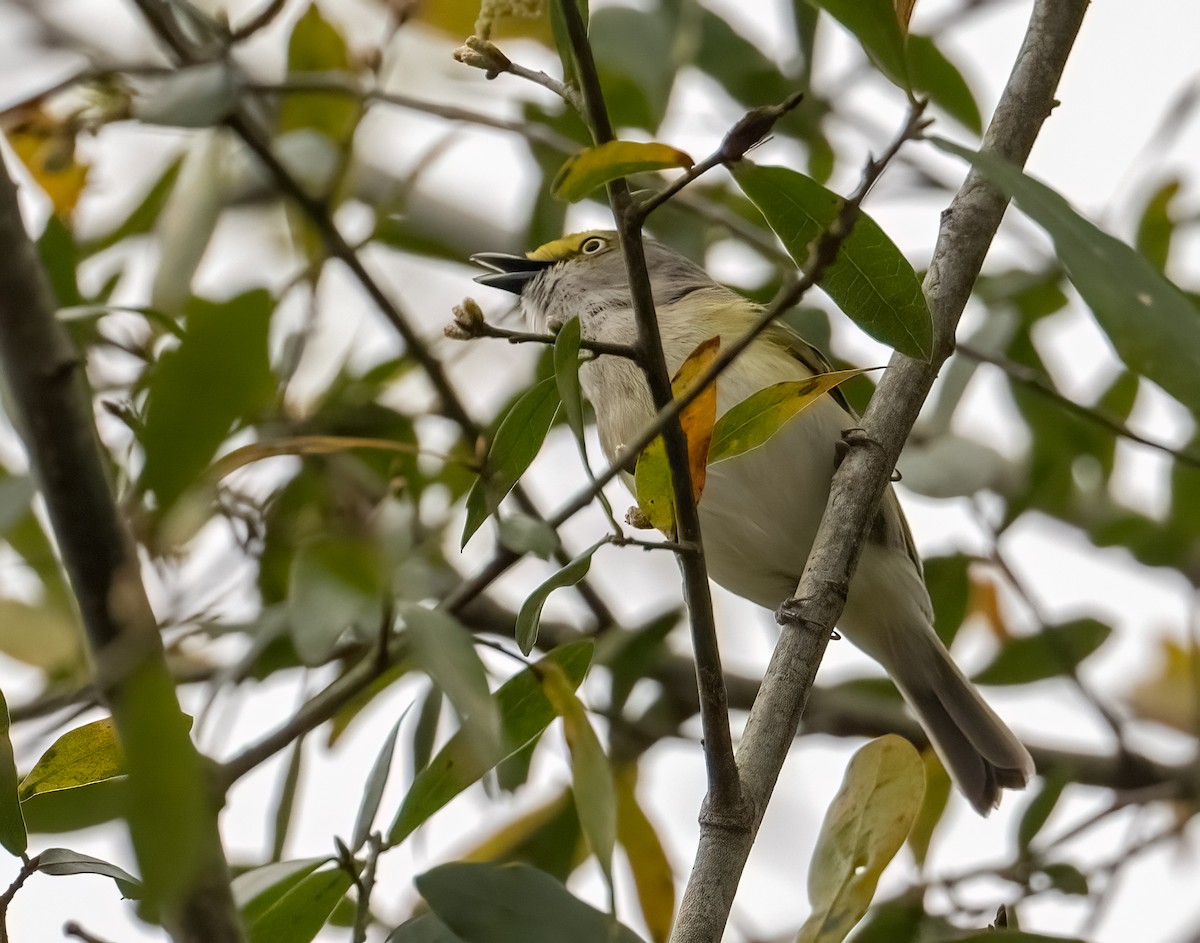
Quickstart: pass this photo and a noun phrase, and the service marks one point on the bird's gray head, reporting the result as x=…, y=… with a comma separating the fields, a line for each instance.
x=584, y=274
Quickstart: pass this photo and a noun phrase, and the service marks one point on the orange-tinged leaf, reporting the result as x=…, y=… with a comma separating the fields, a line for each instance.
x=904, y=10
x=652, y=475
x=983, y=600
x=755, y=419
x=46, y=146
x=700, y=416
x=595, y=166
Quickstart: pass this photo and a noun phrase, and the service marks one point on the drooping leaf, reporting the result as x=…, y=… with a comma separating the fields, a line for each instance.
x=373, y=789
x=591, y=773
x=317, y=46
x=1066, y=878
x=514, y=904
x=256, y=890
x=875, y=24
x=634, y=57
x=582, y=173
x=299, y=915
x=445, y=649
x=871, y=280
x=224, y=354
x=936, y=76
x=652, y=473
x=652, y=875
x=87, y=754
x=286, y=803
x=336, y=584
x=566, y=375
x=518, y=439
x=65, y=861
x=863, y=829
x=937, y=795
x=530, y=616
x=46, y=636
x=548, y=837
x=1157, y=226
x=12, y=823
x=524, y=712
x=1040, y=806
x=754, y=420
x=1056, y=650
x=1153, y=325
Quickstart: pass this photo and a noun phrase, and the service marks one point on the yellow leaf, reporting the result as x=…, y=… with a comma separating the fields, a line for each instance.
x=509, y=839
x=652, y=485
x=87, y=754
x=937, y=793
x=458, y=18
x=591, y=168
x=46, y=146
x=1170, y=694
x=652, y=875
x=863, y=829
x=755, y=419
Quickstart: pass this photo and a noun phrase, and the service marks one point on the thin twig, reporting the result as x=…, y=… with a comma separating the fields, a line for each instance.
x=28, y=867
x=1031, y=379
x=259, y=21
x=724, y=800
x=483, y=54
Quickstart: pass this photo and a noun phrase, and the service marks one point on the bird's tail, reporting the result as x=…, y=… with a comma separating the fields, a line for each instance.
x=981, y=754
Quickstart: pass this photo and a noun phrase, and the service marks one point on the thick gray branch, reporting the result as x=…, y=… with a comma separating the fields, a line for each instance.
x=968, y=227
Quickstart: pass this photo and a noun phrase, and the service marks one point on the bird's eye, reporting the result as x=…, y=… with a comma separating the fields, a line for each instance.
x=592, y=245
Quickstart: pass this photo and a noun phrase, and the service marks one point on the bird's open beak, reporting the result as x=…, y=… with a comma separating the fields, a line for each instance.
x=509, y=272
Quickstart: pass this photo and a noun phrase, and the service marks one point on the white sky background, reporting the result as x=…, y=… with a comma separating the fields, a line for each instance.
x=1131, y=62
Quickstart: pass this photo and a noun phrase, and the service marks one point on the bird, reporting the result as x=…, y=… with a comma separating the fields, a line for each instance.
x=759, y=511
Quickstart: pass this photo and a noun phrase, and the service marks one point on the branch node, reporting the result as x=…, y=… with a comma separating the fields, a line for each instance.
x=753, y=127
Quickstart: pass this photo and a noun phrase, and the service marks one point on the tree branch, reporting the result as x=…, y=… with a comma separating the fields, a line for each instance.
x=724, y=792
x=52, y=410
x=966, y=234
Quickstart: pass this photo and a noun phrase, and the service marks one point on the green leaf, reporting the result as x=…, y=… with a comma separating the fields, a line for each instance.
x=286, y=802
x=299, y=915
x=871, y=280
x=523, y=534
x=1153, y=325
x=60, y=258
x=1157, y=226
x=256, y=890
x=863, y=829
x=566, y=375
x=949, y=587
x=1066, y=878
x=335, y=584
x=143, y=217
x=937, y=795
x=634, y=57
x=653, y=487
x=1005, y=936
x=582, y=173
x=219, y=374
x=1056, y=650
x=514, y=904
x=65, y=861
x=875, y=25
x=426, y=928
x=518, y=439
x=445, y=650
x=373, y=790
x=87, y=754
x=427, y=725
x=591, y=774
x=754, y=420
x=316, y=46
x=530, y=616
x=13, y=835
x=46, y=636
x=524, y=711
x=69, y=810
x=936, y=76
x=1041, y=804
